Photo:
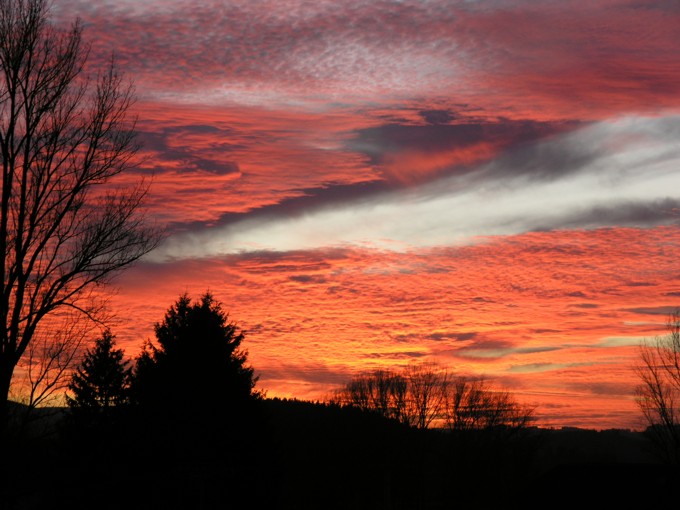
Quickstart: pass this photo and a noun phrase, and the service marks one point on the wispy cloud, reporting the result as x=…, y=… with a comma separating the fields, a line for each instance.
x=597, y=55
x=618, y=173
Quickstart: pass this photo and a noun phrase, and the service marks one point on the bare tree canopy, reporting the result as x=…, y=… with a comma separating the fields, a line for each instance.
x=472, y=404
x=658, y=394
x=62, y=136
x=425, y=393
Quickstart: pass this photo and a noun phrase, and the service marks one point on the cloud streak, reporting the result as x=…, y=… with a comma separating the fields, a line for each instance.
x=587, y=187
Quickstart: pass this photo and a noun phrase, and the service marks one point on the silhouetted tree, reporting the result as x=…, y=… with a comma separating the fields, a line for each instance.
x=41, y=379
x=382, y=391
x=658, y=394
x=62, y=136
x=195, y=392
x=198, y=361
x=472, y=404
x=102, y=380
x=425, y=393
x=427, y=386
x=488, y=441
x=414, y=397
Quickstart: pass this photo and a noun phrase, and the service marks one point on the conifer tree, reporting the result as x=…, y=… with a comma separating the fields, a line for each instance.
x=198, y=360
x=103, y=378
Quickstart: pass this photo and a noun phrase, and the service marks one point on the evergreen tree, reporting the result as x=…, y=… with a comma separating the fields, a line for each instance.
x=196, y=405
x=198, y=362
x=103, y=378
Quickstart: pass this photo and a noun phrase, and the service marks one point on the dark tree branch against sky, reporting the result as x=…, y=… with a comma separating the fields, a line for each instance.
x=62, y=137
x=489, y=185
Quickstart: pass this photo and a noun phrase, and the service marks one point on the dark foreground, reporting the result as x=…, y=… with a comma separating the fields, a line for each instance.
x=299, y=455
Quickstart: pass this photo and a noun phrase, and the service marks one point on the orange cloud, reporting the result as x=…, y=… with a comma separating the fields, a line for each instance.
x=552, y=316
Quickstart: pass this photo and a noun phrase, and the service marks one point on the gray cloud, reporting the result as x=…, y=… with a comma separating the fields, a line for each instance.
x=305, y=278
x=437, y=337
x=311, y=200
x=486, y=351
x=621, y=213
x=397, y=355
x=544, y=367
x=383, y=142
x=184, y=157
x=549, y=160
x=654, y=310
x=311, y=373
x=459, y=337
x=436, y=117
x=604, y=388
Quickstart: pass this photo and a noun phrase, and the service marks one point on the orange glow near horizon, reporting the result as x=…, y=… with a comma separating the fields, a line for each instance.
x=553, y=317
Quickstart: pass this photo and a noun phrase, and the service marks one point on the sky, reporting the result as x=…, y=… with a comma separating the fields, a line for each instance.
x=490, y=185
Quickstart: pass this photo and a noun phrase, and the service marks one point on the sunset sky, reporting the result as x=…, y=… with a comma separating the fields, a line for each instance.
x=492, y=185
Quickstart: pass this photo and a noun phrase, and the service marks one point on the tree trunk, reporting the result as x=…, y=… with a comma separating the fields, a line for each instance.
x=6, y=371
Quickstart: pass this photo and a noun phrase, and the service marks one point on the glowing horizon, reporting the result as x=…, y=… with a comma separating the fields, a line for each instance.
x=490, y=185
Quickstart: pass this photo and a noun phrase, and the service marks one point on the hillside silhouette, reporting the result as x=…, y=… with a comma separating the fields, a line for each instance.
x=304, y=455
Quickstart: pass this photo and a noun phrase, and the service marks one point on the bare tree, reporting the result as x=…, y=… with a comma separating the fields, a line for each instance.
x=424, y=394
x=382, y=391
x=47, y=360
x=40, y=379
x=471, y=404
x=427, y=384
x=64, y=227
x=414, y=397
x=658, y=394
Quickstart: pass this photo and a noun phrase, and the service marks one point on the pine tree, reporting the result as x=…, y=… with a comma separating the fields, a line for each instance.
x=103, y=379
x=195, y=400
x=198, y=361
